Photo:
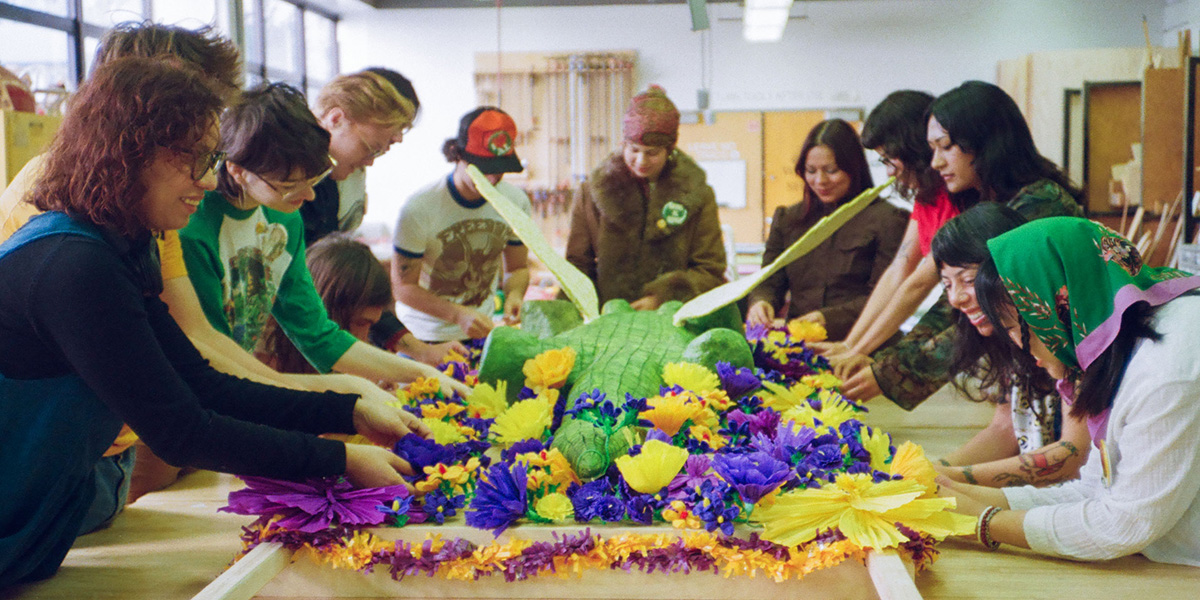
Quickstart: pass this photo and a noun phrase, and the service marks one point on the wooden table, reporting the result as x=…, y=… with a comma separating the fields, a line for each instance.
x=170, y=544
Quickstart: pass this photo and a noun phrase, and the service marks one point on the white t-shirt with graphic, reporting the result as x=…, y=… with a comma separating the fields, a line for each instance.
x=462, y=242
x=352, y=200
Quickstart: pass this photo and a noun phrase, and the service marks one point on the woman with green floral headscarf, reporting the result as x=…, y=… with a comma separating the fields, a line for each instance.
x=1121, y=338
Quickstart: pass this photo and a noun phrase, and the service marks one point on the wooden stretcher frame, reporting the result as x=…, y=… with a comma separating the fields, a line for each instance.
x=271, y=571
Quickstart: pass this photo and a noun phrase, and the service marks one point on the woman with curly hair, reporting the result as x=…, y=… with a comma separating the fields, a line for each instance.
x=86, y=343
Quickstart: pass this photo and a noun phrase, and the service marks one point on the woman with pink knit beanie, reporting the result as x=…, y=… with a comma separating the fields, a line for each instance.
x=645, y=227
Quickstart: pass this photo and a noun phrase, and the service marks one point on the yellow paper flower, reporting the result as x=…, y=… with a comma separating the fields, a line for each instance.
x=704, y=434
x=527, y=419
x=690, y=376
x=822, y=381
x=783, y=398
x=671, y=411
x=486, y=401
x=653, y=468
x=422, y=387
x=806, y=331
x=716, y=400
x=864, y=511
x=441, y=410
x=549, y=369
x=443, y=432
x=680, y=516
x=876, y=442
x=911, y=464
x=556, y=507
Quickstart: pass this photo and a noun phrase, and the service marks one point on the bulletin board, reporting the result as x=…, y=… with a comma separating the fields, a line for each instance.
x=1112, y=123
x=731, y=146
x=1162, y=137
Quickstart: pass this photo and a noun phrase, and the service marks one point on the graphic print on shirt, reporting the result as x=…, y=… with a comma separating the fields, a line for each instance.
x=469, y=260
x=255, y=259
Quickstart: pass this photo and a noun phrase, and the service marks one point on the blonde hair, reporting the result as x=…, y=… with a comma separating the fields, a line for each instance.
x=368, y=98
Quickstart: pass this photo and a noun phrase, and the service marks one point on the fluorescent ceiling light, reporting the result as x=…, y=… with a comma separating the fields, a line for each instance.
x=764, y=20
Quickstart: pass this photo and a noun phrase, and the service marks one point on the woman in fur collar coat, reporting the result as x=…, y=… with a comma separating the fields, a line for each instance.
x=645, y=226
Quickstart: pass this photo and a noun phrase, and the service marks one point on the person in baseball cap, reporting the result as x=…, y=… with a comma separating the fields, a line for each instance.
x=450, y=243
x=487, y=139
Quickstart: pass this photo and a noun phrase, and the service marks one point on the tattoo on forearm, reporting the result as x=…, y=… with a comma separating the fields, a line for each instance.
x=968, y=476
x=944, y=462
x=1041, y=467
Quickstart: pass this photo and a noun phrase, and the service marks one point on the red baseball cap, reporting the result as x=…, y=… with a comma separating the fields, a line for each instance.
x=487, y=138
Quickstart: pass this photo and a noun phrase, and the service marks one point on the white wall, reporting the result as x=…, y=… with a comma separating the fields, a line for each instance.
x=849, y=53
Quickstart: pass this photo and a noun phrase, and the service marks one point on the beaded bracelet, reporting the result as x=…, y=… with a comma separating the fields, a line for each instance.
x=983, y=527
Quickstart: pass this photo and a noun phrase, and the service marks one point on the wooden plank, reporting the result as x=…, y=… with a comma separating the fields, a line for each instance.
x=893, y=578
x=248, y=575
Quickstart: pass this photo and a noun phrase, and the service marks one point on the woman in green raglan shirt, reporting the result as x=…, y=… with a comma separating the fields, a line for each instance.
x=244, y=247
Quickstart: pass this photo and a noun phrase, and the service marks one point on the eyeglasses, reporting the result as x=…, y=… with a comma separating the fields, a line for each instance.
x=372, y=152
x=297, y=188
x=202, y=164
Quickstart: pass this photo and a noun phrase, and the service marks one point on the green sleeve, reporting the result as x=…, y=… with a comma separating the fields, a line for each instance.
x=300, y=312
x=912, y=369
x=204, y=268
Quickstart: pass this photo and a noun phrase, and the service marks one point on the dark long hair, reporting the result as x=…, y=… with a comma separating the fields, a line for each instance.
x=962, y=243
x=348, y=278
x=841, y=138
x=271, y=131
x=119, y=121
x=982, y=120
x=1097, y=385
x=898, y=126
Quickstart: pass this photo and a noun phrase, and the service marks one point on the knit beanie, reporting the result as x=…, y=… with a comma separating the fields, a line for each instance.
x=652, y=119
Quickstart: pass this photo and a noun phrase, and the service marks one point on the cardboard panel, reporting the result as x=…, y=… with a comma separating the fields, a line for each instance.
x=784, y=134
x=731, y=138
x=1162, y=137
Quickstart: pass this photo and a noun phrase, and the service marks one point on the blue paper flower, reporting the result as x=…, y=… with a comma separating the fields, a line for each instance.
x=737, y=381
x=753, y=475
x=500, y=498
x=438, y=506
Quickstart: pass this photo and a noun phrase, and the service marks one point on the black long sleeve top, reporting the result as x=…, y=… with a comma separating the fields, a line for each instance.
x=72, y=304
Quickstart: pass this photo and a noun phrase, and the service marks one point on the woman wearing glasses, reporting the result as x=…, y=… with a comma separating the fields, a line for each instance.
x=244, y=248
x=86, y=343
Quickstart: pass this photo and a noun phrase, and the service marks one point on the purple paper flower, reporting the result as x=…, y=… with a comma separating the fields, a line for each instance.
x=737, y=381
x=757, y=332
x=825, y=458
x=658, y=434
x=753, y=475
x=714, y=509
x=500, y=498
x=397, y=511
x=787, y=442
x=313, y=505
x=522, y=447
x=438, y=506
x=641, y=508
x=421, y=453
x=610, y=509
x=763, y=421
x=695, y=473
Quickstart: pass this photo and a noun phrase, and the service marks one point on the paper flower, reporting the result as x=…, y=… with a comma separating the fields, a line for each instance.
x=313, y=505
x=397, y=511
x=441, y=410
x=702, y=433
x=500, y=498
x=737, y=381
x=652, y=469
x=439, y=506
x=555, y=507
x=527, y=419
x=783, y=398
x=443, y=432
x=421, y=388
x=879, y=445
x=910, y=463
x=670, y=411
x=549, y=369
x=753, y=475
x=833, y=411
x=680, y=517
x=862, y=510
x=806, y=331
x=488, y=402
x=690, y=376
x=822, y=381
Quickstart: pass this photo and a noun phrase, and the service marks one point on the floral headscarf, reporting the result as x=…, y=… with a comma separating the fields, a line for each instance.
x=1071, y=280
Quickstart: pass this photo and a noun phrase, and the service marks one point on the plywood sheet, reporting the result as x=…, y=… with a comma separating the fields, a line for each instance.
x=1162, y=137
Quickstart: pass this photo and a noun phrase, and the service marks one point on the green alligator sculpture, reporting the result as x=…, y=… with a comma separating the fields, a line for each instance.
x=622, y=351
